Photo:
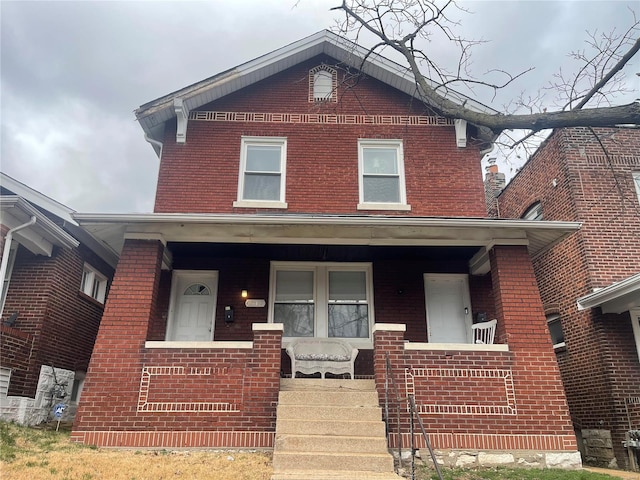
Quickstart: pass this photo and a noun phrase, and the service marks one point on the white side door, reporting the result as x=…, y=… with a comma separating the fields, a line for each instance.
x=193, y=306
x=448, y=308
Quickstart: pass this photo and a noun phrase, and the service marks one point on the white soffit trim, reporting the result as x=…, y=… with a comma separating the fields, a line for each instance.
x=40, y=236
x=616, y=298
x=321, y=229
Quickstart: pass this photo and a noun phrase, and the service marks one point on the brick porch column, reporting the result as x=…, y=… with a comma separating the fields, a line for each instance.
x=539, y=393
x=265, y=380
x=110, y=393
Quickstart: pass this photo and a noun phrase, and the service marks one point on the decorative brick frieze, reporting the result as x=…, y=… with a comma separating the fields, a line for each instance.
x=320, y=118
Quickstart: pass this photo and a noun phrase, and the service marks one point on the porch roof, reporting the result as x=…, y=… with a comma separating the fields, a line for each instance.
x=483, y=233
x=616, y=298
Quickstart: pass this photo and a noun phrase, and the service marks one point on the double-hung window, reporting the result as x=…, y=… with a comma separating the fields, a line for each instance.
x=381, y=175
x=261, y=182
x=326, y=300
x=93, y=284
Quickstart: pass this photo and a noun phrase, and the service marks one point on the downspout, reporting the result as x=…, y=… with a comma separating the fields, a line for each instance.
x=5, y=256
x=156, y=143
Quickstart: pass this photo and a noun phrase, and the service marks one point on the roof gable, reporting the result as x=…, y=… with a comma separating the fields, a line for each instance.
x=153, y=115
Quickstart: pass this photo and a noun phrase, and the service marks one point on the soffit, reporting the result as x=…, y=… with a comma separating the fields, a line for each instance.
x=110, y=229
x=616, y=298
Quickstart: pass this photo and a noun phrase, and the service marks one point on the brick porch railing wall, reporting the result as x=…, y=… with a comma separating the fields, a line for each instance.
x=140, y=394
x=515, y=395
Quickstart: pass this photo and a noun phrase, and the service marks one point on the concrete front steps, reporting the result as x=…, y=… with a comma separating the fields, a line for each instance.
x=331, y=430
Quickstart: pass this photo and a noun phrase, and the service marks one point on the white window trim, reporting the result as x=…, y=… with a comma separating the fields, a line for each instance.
x=636, y=182
x=321, y=295
x=389, y=143
x=635, y=324
x=270, y=141
x=533, y=212
x=553, y=318
x=93, y=275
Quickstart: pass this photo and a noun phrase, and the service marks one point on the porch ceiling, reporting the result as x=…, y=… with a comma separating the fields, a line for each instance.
x=475, y=233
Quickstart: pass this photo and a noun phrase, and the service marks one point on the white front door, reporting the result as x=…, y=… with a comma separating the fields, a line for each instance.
x=448, y=308
x=193, y=306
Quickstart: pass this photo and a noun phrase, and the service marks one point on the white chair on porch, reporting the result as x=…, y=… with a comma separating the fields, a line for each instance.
x=484, y=332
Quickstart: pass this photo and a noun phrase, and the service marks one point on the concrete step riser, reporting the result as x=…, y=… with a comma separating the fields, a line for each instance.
x=334, y=428
x=334, y=475
x=313, y=412
x=321, y=443
x=284, y=461
x=345, y=399
x=327, y=385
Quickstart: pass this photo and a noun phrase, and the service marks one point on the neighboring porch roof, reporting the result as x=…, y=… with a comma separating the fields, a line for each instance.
x=616, y=298
x=38, y=238
x=112, y=229
x=153, y=115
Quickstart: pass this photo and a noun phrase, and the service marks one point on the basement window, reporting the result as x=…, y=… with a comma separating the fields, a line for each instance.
x=93, y=284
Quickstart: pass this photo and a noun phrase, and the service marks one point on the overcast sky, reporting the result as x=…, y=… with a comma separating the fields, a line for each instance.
x=73, y=72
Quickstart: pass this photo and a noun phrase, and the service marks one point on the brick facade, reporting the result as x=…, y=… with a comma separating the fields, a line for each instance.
x=236, y=383
x=575, y=180
x=321, y=158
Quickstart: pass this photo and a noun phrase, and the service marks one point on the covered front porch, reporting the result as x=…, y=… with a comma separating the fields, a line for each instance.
x=190, y=350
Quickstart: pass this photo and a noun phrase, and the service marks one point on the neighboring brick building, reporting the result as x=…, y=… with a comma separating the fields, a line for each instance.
x=341, y=206
x=49, y=307
x=590, y=282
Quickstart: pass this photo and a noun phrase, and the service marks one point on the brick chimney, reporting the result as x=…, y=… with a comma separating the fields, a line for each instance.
x=494, y=183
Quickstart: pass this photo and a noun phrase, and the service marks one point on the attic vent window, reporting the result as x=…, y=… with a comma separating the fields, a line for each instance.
x=323, y=84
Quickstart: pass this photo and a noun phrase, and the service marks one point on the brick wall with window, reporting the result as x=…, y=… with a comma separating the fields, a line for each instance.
x=322, y=174
x=62, y=321
x=574, y=180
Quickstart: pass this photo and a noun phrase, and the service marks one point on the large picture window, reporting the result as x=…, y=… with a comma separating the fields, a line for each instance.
x=261, y=181
x=322, y=300
x=381, y=175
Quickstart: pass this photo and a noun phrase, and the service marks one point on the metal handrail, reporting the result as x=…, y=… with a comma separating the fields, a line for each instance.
x=414, y=414
x=390, y=376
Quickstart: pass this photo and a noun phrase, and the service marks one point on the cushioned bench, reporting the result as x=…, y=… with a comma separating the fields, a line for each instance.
x=324, y=355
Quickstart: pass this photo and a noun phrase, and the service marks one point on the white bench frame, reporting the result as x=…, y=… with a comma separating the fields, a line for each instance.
x=314, y=349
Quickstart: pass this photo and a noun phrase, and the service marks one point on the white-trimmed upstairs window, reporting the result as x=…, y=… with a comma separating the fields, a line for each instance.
x=636, y=181
x=381, y=175
x=534, y=212
x=323, y=83
x=261, y=182
x=94, y=283
x=555, y=330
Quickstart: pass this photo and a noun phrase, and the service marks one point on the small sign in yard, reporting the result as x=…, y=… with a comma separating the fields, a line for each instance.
x=58, y=410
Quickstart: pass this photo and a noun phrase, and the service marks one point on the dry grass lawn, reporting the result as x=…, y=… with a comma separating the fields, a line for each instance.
x=40, y=454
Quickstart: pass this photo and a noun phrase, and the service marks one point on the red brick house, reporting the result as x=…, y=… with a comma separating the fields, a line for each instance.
x=55, y=280
x=310, y=193
x=590, y=283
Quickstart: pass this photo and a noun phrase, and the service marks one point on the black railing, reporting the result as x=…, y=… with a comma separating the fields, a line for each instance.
x=413, y=414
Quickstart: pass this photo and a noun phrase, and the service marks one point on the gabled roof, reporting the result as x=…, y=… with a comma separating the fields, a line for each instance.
x=153, y=115
x=616, y=298
x=36, y=198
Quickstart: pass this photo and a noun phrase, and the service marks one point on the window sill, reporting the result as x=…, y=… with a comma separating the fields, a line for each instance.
x=198, y=345
x=560, y=347
x=384, y=206
x=259, y=204
x=470, y=347
x=90, y=299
